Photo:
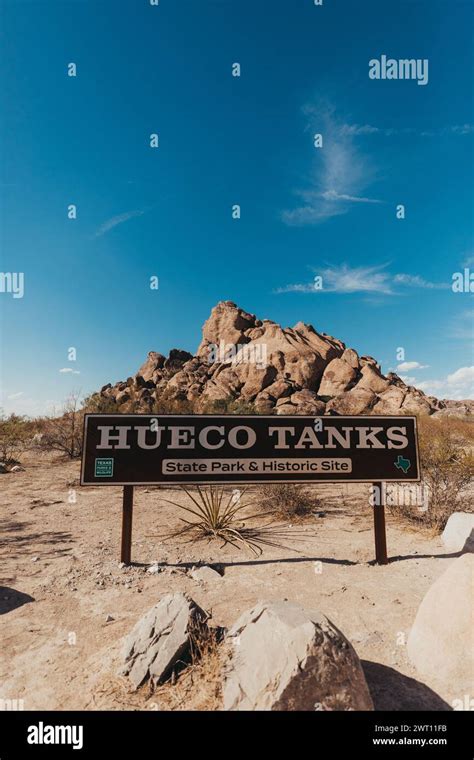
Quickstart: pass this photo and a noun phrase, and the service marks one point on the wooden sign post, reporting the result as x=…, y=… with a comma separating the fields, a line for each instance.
x=166, y=449
x=380, y=534
x=127, y=518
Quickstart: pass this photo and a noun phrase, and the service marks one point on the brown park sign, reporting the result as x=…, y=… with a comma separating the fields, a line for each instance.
x=145, y=449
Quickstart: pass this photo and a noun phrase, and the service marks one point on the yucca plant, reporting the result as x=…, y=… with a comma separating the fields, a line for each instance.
x=216, y=513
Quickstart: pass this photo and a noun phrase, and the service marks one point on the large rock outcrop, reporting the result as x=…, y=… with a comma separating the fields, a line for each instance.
x=292, y=370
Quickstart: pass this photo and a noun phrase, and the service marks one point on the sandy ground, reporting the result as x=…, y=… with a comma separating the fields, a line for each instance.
x=60, y=579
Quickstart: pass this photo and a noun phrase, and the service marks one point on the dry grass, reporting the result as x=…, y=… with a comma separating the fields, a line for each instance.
x=288, y=501
x=447, y=465
x=199, y=685
x=195, y=684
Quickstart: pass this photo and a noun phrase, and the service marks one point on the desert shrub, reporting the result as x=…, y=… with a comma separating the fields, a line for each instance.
x=166, y=402
x=97, y=404
x=447, y=461
x=229, y=406
x=216, y=513
x=15, y=433
x=288, y=500
x=62, y=431
x=447, y=468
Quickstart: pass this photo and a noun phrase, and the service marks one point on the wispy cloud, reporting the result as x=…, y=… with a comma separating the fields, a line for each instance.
x=339, y=174
x=415, y=281
x=332, y=195
x=14, y=396
x=356, y=130
x=408, y=366
x=114, y=221
x=69, y=371
x=346, y=279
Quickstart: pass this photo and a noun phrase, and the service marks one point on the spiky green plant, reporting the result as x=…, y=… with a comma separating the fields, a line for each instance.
x=217, y=513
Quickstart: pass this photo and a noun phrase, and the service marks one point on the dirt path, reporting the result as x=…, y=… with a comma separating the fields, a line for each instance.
x=60, y=580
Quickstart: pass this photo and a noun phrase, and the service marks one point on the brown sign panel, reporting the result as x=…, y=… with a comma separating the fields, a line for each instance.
x=146, y=449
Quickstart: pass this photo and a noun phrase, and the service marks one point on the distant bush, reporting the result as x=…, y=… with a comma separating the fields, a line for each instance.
x=15, y=433
x=166, y=402
x=447, y=461
x=287, y=500
x=229, y=406
x=62, y=431
x=447, y=467
x=97, y=404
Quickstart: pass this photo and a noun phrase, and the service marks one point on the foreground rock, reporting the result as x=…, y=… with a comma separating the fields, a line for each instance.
x=279, y=370
x=440, y=644
x=283, y=657
x=161, y=639
x=458, y=535
x=205, y=574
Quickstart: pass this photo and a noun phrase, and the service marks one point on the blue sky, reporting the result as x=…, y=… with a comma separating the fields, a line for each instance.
x=225, y=140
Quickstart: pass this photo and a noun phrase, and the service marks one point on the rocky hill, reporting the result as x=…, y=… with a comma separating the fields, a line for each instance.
x=293, y=370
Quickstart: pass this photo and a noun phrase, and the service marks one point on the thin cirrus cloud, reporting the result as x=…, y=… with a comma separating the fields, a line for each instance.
x=69, y=371
x=408, y=366
x=332, y=195
x=375, y=279
x=340, y=172
x=354, y=130
x=415, y=281
x=339, y=175
x=114, y=221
